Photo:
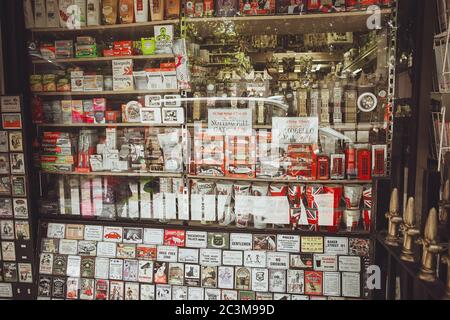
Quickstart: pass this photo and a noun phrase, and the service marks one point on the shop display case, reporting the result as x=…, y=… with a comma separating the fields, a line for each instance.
x=220, y=150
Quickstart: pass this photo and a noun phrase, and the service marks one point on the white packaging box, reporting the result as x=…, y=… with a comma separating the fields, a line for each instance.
x=111, y=160
x=162, y=80
x=145, y=201
x=77, y=80
x=122, y=75
x=203, y=207
x=97, y=195
x=86, y=198
x=108, y=209
x=93, y=12
x=82, y=5
x=28, y=14
x=75, y=195
x=63, y=14
x=123, y=83
x=111, y=138
x=122, y=209
x=93, y=83
x=62, y=201
x=122, y=67
x=164, y=38
x=52, y=13
x=133, y=201
x=164, y=206
x=40, y=15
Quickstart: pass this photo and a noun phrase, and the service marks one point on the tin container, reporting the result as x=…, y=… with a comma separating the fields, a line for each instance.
x=367, y=219
x=351, y=219
x=367, y=196
x=278, y=189
x=352, y=196
x=311, y=191
x=203, y=187
x=242, y=188
x=295, y=194
x=294, y=216
x=312, y=216
x=337, y=192
x=224, y=188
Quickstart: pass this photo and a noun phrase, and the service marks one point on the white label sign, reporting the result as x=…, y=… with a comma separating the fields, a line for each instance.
x=350, y=263
x=293, y=130
x=106, y=249
x=288, y=243
x=167, y=254
x=196, y=239
x=186, y=255
x=94, y=233
x=336, y=245
x=68, y=246
x=241, y=241
x=351, y=284
x=277, y=260
x=255, y=258
x=210, y=257
x=232, y=258
x=153, y=236
x=331, y=284
x=10, y=103
x=236, y=122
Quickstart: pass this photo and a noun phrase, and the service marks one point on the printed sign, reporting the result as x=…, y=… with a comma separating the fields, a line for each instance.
x=312, y=244
x=236, y=122
x=336, y=245
x=167, y=254
x=293, y=130
x=277, y=260
x=350, y=263
x=196, y=239
x=210, y=257
x=325, y=262
x=241, y=241
x=288, y=243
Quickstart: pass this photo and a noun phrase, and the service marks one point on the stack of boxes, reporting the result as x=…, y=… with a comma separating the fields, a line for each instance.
x=57, y=153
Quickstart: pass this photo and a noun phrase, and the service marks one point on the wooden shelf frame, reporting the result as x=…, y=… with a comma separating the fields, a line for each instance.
x=103, y=59
x=104, y=93
x=355, y=21
x=113, y=27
